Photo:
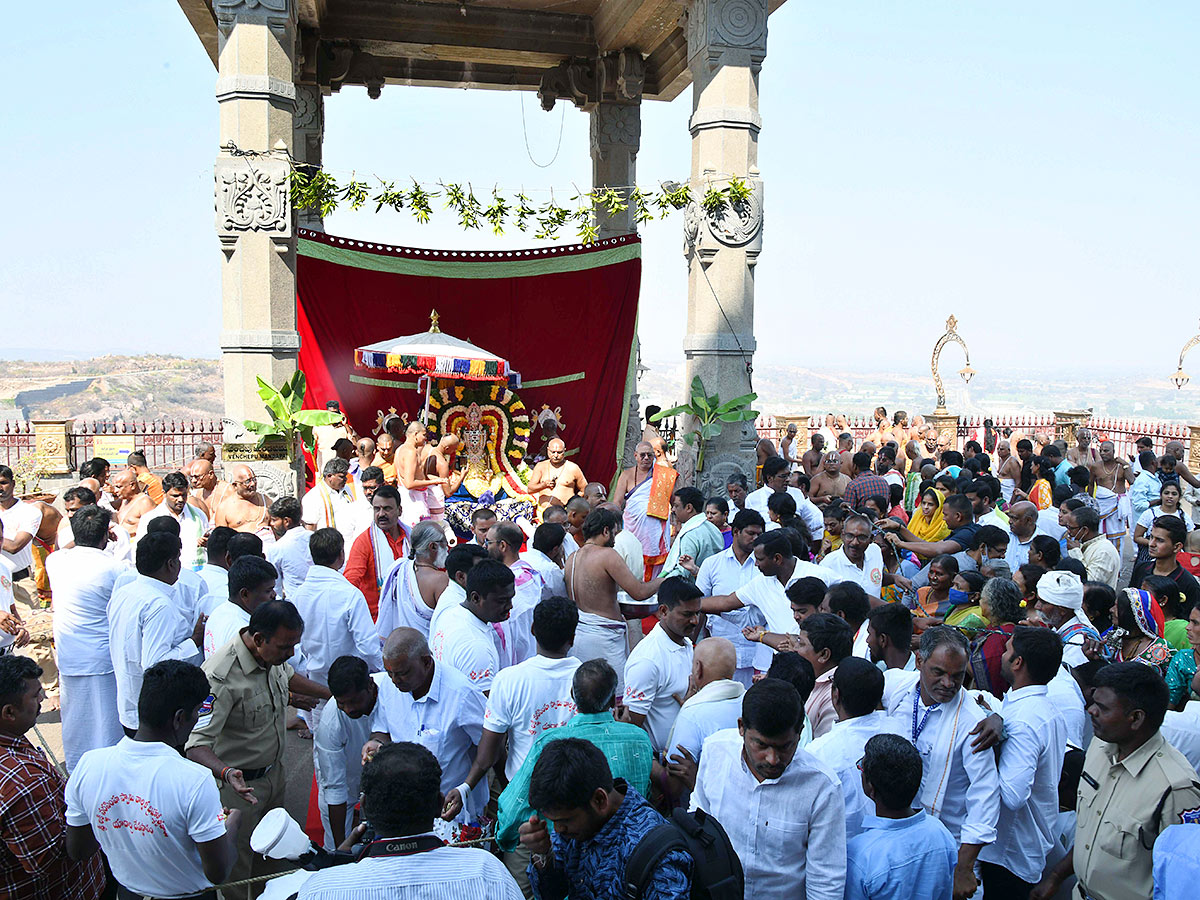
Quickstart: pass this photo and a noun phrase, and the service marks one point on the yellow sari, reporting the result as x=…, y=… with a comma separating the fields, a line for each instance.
x=929, y=530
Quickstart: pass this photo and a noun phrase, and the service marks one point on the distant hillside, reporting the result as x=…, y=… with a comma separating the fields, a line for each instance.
x=158, y=387
x=114, y=387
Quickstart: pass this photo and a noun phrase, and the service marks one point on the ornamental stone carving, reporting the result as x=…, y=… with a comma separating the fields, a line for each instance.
x=308, y=116
x=737, y=224
x=716, y=26
x=616, y=77
x=253, y=195
x=275, y=13
x=613, y=123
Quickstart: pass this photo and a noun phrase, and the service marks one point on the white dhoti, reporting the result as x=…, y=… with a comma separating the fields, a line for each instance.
x=89, y=714
x=599, y=638
x=415, y=506
x=1007, y=486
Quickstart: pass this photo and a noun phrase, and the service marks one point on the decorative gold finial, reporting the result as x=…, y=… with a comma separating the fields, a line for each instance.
x=433, y=322
x=951, y=323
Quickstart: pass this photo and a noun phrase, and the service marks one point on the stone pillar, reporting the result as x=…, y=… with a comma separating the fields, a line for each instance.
x=52, y=438
x=308, y=135
x=1067, y=423
x=1194, y=448
x=726, y=44
x=256, y=97
x=616, y=133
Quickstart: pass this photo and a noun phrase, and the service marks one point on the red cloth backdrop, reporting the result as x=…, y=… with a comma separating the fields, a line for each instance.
x=564, y=317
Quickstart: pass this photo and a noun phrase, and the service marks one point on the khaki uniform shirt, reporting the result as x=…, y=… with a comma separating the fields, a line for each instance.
x=247, y=726
x=1117, y=825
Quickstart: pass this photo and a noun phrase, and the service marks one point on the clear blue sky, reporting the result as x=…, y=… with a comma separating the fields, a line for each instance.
x=1030, y=167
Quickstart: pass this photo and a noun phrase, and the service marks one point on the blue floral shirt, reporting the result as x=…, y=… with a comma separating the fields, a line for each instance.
x=595, y=869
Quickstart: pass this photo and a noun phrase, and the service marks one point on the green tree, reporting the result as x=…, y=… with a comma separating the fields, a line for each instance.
x=709, y=415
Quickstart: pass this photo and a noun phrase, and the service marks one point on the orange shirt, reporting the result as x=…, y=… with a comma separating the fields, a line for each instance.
x=152, y=485
x=360, y=567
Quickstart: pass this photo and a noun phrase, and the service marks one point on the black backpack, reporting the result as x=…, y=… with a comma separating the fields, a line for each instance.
x=716, y=870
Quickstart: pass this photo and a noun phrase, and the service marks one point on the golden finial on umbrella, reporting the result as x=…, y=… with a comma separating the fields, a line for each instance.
x=433, y=322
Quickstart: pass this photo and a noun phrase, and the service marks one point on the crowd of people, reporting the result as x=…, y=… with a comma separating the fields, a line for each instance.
x=887, y=670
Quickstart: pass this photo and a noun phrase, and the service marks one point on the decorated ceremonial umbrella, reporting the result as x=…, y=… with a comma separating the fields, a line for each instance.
x=432, y=354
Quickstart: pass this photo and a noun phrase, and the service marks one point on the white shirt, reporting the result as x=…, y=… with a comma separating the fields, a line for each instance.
x=217, y=580
x=82, y=579
x=1048, y=523
x=769, y=597
x=223, y=625
x=813, y=518
x=656, y=670
x=191, y=598
x=1182, y=731
x=526, y=699
x=148, y=807
x=446, y=873
x=713, y=708
x=469, y=644
x=7, y=600
x=291, y=559
x=869, y=577
x=789, y=832
x=958, y=786
x=339, y=513
x=1017, y=552
x=193, y=523
x=452, y=595
x=448, y=721
x=337, y=622
x=337, y=755
x=1067, y=698
x=629, y=548
x=1031, y=760
x=552, y=575
x=840, y=749
x=18, y=518
x=118, y=546
x=144, y=623
x=722, y=574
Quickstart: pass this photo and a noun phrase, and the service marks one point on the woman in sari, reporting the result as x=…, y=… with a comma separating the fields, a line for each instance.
x=1172, y=602
x=1041, y=494
x=927, y=523
x=1182, y=670
x=1137, y=634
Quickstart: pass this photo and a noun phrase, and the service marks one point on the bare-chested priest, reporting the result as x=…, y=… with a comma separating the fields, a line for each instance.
x=244, y=508
x=1008, y=469
x=644, y=493
x=556, y=478
x=205, y=486
x=594, y=574
x=132, y=501
x=413, y=482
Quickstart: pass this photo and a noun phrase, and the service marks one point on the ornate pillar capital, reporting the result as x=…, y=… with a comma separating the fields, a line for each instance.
x=717, y=29
x=616, y=77
x=277, y=14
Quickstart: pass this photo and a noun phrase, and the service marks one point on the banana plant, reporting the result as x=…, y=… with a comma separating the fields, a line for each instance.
x=709, y=415
x=289, y=420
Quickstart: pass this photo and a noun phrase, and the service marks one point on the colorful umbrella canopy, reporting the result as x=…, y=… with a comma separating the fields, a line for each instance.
x=435, y=354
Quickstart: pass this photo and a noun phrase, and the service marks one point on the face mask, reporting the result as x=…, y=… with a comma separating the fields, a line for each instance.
x=957, y=597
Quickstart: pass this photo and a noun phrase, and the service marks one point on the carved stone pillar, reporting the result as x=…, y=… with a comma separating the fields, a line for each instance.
x=256, y=98
x=727, y=42
x=308, y=135
x=609, y=89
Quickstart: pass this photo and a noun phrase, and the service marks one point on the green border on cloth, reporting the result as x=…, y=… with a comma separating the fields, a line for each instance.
x=630, y=387
x=468, y=268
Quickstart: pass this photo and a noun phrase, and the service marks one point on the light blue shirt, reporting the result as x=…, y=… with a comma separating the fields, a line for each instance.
x=1177, y=863
x=697, y=538
x=898, y=859
x=722, y=574
x=1146, y=487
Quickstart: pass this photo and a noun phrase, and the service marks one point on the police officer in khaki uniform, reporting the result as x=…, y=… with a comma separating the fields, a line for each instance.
x=1134, y=784
x=242, y=730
